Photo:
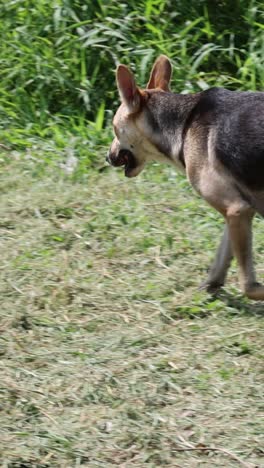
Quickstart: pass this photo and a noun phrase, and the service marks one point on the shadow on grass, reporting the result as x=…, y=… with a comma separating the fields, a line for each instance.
x=224, y=302
x=240, y=304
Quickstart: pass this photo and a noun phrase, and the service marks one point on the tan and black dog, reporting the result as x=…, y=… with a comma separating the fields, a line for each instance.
x=217, y=138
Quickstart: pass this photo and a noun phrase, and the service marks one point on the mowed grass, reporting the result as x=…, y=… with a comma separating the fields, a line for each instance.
x=109, y=354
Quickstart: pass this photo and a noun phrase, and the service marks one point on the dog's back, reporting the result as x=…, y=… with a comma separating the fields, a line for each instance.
x=239, y=143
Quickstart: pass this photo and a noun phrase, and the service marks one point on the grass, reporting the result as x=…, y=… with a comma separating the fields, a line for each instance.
x=109, y=355
x=58, y=58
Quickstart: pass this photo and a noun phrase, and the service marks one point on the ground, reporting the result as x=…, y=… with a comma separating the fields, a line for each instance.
x=109, y=354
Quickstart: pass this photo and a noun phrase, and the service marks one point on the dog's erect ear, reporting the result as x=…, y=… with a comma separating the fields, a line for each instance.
x=127, y=87
x=160, y=74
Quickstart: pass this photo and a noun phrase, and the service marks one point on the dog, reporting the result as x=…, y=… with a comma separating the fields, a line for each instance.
x=216, y=137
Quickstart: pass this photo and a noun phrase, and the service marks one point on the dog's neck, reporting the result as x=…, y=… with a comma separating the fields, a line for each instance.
x=167, y=115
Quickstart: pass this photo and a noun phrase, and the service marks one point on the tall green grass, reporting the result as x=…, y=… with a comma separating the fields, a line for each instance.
x=58, y=57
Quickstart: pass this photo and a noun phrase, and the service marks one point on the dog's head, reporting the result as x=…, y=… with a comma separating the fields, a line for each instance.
x=132, y=146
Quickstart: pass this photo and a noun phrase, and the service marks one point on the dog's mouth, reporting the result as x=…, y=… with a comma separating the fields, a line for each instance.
x=127, y=159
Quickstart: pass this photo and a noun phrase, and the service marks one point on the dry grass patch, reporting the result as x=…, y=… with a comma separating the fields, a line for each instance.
x=109, y=356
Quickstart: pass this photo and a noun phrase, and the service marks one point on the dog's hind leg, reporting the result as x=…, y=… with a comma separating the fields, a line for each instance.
x=218, y=270
x=220, y=192
x=240, y=231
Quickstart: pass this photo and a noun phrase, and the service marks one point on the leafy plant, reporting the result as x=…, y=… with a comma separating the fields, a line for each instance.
x=58, y=57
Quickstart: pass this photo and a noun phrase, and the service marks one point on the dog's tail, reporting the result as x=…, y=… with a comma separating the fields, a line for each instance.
x=258, y=204
x=254, y=198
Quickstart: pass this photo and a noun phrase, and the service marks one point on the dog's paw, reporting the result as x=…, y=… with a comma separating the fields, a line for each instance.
x=212, y=287
x=255, y=291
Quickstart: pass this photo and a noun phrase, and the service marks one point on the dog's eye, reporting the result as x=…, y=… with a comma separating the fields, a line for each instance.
x=132, y=146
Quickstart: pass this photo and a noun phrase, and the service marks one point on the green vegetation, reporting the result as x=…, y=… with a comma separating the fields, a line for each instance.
x=58, y=57
x=109, y=355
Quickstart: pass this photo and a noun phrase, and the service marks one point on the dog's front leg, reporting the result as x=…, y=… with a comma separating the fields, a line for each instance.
x=240, y=231
x=218, y=270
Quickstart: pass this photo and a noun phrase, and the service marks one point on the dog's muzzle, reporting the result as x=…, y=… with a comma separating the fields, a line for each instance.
x=124, y=158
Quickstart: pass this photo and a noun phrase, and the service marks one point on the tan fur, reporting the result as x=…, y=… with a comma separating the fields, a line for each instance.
x=133, y=134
